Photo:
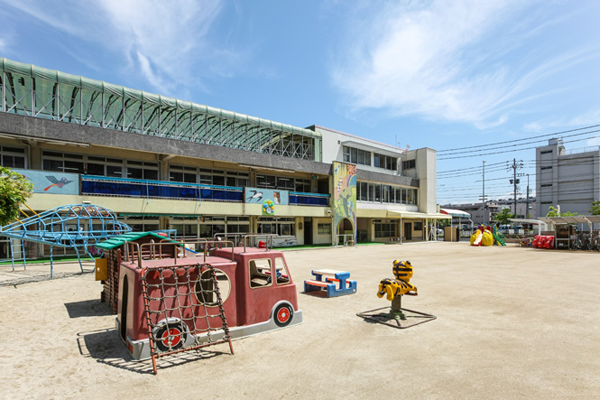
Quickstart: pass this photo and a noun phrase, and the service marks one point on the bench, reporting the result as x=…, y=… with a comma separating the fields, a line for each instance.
x=336, y=283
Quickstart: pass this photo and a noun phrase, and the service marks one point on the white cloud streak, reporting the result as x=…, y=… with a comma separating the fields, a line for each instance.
x=444, y=60
x=166, y=41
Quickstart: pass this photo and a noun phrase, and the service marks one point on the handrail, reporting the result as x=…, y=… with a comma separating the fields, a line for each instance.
x=268, y=236
x=139, y=247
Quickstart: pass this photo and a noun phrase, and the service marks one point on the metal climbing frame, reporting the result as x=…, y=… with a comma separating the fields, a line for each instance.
x=77, y=226
x=183, y=309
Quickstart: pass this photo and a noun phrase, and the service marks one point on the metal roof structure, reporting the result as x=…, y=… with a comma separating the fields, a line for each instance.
x=576, y=219
x=43, y=93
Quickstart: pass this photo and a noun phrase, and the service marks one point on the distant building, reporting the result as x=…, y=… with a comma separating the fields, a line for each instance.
x=569, y=179
x=480, y=215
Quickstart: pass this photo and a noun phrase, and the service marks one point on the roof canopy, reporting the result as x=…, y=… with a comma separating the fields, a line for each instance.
x=576, y=219
x=455, y=213
x=120, y=240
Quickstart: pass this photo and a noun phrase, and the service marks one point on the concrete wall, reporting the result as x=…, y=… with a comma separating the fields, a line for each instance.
x=568, y=180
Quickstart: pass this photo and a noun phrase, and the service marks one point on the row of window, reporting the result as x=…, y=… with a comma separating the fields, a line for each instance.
x=357, y=156
x=381, y=193
x=12, y=157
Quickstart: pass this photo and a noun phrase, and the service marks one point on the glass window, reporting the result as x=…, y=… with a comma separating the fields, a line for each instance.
x=283, y=276
x=385, y=230
x=324, y=229
x=377, y=193
x=260, y=272
x=385, y=193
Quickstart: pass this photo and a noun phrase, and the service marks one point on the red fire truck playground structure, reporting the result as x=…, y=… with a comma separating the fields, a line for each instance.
x=172, y=299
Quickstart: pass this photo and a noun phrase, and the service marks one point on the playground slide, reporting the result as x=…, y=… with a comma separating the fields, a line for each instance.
x=478, y=239
x=499, y=240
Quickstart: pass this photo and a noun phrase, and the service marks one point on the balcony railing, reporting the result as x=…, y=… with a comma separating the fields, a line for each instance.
x=309, y=199
x=124, y=187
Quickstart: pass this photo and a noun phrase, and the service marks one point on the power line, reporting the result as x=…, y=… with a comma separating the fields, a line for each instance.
x=520, y=140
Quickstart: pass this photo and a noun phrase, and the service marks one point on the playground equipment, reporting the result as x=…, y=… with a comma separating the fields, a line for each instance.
x=77, y=226
x=394, y=289
x=486, y=236
x=336, y=283
x=171, y=302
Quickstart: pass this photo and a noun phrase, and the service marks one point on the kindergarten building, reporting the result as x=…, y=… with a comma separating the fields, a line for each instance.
x=163, y=163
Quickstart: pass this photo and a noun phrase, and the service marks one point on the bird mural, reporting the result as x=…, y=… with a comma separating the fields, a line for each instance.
x=257, y=196
x=55, y=182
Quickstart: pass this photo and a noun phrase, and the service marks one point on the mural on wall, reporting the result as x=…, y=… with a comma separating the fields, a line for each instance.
x=344, y=194
x=51, y=182
x=269, y=198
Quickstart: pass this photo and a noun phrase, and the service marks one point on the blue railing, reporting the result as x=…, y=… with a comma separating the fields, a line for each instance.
x=109, y=186
x=112, y=186
x=309, y=199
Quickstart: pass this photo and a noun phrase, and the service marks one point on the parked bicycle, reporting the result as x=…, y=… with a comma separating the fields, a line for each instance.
x=583, y=241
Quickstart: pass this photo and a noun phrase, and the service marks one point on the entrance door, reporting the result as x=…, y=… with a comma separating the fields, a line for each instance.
x=308, y=231
x=408, y=230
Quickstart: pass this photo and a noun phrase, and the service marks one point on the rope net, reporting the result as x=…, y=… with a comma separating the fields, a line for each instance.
x=183, y=308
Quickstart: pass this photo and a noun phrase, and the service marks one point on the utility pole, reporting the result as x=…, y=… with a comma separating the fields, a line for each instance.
x=515, y=165
x=527, y=200
x=483, y=197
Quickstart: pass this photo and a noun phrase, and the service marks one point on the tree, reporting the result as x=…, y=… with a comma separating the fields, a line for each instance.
x=503, y=217
x=553, y=212
x=595, y=208
x=14, y=190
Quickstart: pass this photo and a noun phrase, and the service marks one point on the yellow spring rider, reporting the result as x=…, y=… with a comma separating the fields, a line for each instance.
x=394, y=289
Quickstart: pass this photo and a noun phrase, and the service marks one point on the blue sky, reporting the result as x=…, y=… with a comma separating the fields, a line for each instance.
x=439, y=74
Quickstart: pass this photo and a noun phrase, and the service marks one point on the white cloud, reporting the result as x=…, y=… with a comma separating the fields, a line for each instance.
x=445, y=60
x=588, y=118
x=166, y=41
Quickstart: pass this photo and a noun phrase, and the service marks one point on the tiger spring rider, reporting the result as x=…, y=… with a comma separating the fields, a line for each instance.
x=394, y=289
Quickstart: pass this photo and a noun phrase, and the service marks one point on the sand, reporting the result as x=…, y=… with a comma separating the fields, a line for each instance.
x=511, y=323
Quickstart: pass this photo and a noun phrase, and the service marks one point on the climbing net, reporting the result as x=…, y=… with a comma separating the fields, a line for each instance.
x=183, y=309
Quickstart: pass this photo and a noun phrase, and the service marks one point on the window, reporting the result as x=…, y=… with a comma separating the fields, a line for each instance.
x=546, y=168
x=205, y=290
x=260, y=273
x=12, y=157
x=385, y=162
x=283, y=277
x=418, y=226
x=62, y=162
x=547, y=185
x=356, y=156
x=363, y=191
x=278, y=226
x=324, y=229
x=180, y=173
x=283, y=183
x=546, y=152
x=385, y=230
x=409, y=164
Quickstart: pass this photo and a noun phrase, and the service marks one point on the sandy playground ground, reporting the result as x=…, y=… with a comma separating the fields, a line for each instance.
x=513, y=323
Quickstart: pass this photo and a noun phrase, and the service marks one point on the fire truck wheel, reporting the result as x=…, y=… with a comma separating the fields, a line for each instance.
x=170, y=336
x=283, y=315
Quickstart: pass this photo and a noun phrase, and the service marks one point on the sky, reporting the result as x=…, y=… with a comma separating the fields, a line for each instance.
x=475, y=80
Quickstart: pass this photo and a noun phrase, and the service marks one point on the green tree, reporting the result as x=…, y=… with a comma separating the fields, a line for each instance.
x=503, y=217
x=553, y=212
x=14, y=190
x=595, y=208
